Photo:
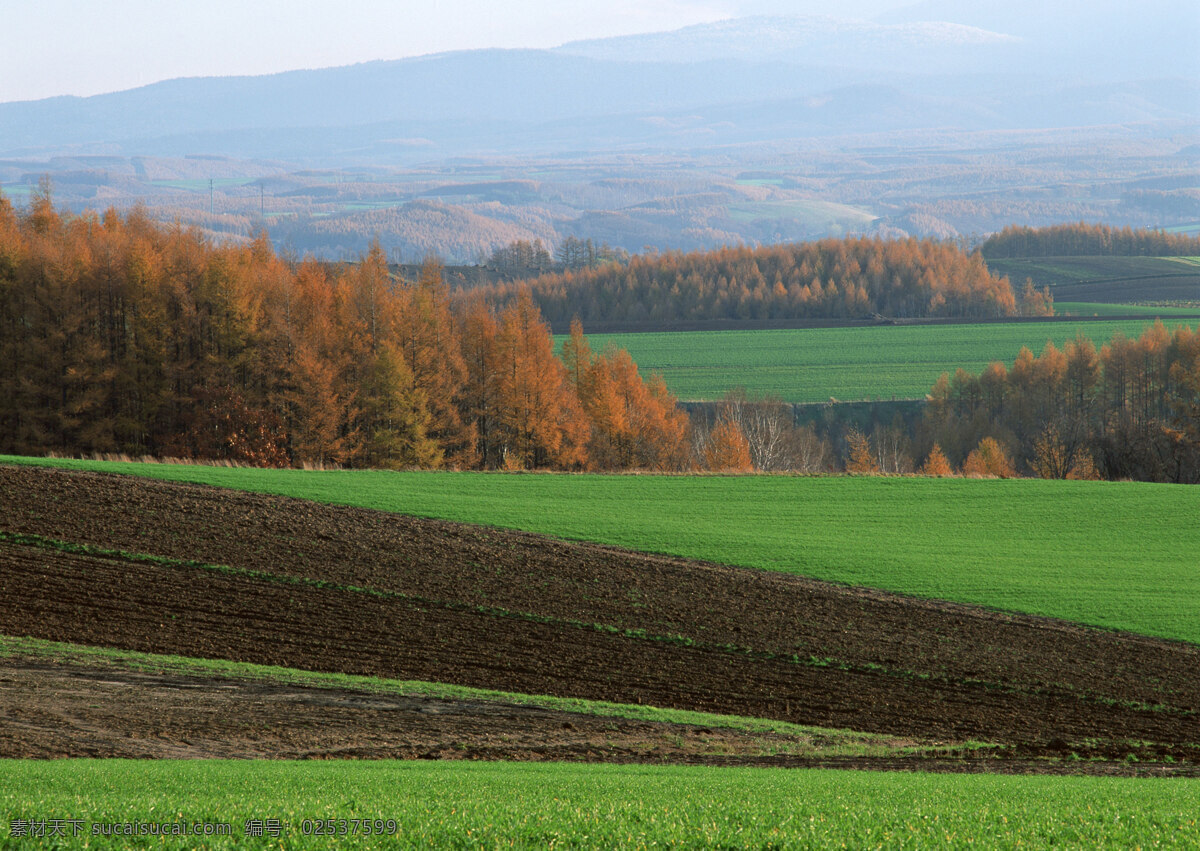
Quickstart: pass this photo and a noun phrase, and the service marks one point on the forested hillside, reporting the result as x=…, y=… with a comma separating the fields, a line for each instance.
x=1083, y=239
x=118, y=335
x=121, y=335
x=832, y=278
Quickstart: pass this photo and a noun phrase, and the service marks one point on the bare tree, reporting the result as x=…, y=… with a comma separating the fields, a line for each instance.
x=767, y=424
x=808, y=452
x=892, y=449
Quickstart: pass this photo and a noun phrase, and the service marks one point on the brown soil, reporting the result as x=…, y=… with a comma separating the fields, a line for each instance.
x=518, y=612
x=52, y=709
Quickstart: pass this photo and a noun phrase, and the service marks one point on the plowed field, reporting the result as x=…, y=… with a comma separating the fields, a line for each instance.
x=75, y=709
x=285, y=582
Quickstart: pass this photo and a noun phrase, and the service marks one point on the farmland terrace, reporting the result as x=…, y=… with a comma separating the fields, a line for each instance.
x=157, y=567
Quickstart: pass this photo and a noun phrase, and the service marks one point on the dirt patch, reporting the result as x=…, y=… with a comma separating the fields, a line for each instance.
x=56, y=710
x=421, y=599
x=68, y=710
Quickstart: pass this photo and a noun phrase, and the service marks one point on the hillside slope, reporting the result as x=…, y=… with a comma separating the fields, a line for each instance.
x=160, y=567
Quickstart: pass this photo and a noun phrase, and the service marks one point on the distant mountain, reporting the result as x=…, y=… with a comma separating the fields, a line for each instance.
x=1101, y=40
x=747, y=80
x=406, y=96
x=809, y=40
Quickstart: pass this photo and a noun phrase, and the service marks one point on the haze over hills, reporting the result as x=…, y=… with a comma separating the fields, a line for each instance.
x=1098, y=40
x=810, y=40
x=771, y=74
x=939, y=119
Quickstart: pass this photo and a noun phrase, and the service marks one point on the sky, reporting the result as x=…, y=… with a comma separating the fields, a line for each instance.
x=87, y=47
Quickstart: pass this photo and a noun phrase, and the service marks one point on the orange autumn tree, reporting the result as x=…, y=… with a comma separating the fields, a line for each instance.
x=477, y=334
x=936, y=464
x=538, y=414
x=635, y=424
x=425, y=336
x=316, y=402
x=989, y=460
x=727, y=450
x=851, y=277
x=121, y=335
x=861, y=460
x=388, y=421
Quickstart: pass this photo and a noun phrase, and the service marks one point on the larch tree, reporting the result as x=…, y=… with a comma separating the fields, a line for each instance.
x=727, y=450
x=635, y=423
x=394, y=418
x=389, y=422
x=318, y=400
x=425, y=334
x=862, y=459
x=477, y=333
x=989, y=460
x=538, y=412
x=936, y=464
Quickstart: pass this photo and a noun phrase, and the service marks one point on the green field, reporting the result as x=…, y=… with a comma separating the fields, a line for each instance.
x=1111, y=280
x=760, y=181
x=1113, y=554
x=201, y=184
x=474, y=805
x=1059, y=271
x=1085, y=308
x=848, y=364
x=810, y=212
x=363, y=206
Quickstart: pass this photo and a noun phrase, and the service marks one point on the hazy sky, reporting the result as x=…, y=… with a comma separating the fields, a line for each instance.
x=85, y=47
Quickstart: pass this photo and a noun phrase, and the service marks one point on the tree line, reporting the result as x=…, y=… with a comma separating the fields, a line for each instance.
x=832, y=278
x=1128, y=410
x=119, y=335
x=1083, y=239
x=524, y=259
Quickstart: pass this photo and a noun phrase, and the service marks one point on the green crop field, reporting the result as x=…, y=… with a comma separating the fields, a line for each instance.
x=476, y=805
x=1085, y=308
x=201, y=184
x=1058, y=271
x=1112, y=280
x=1112, y=554
x=362, y=206
x=812, y=213
x=848, y=364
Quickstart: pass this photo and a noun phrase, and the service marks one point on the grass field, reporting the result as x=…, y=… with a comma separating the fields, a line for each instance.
x=1112, y=554
x=1119, y=280
x=1084, y=308
x=812, y=213
x=848, y=364
x=201, y=184
x=473, y=805
x=1058, y=271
